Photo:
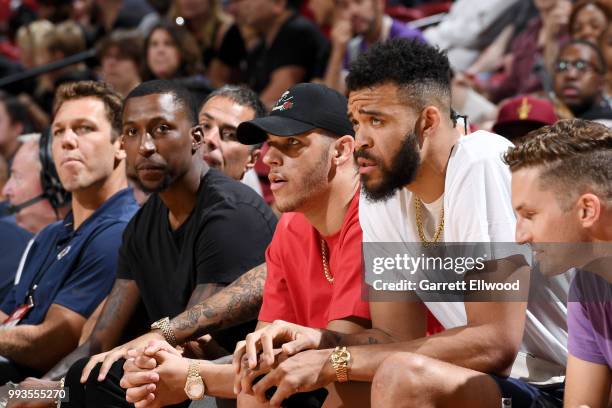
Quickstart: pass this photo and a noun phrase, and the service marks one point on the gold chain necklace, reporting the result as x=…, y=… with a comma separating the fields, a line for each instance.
x=418, y=204
x=328, y=275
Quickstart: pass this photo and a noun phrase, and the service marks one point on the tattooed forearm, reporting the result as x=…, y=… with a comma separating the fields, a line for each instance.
x=235, y=304
x=333, y=339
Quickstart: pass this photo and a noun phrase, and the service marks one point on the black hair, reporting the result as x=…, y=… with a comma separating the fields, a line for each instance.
x=294, y=4
x=17, y=111
x=423, y=72
x=602, y=62
x=163, y=86
x=241, y=95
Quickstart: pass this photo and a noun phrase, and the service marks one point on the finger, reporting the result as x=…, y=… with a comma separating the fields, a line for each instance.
x=90, y=366
x=131, y=380
x=249, y=377
x=283, y=392
x=252, y=342
x=238, y=353
x=267, y=346
x=297, y=345
x=268, y=381
x=140, y=393
x=145, y=363
x=109, y=361
x=148, y=402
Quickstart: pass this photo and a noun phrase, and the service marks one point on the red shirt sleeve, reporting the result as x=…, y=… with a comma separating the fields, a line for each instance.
x=276, y=299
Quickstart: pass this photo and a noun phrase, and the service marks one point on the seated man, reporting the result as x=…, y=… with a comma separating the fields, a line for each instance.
x=424, y=183
x=314, y=261
x=34, y=204
x=290, y=50
x=358, y=25
x=220, y=114
x=71, y=265
x=562, y=192
x=198, y=231
x=579, y=81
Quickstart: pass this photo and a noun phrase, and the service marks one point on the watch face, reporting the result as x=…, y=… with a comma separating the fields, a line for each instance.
x=340, y=356
x=195, y=389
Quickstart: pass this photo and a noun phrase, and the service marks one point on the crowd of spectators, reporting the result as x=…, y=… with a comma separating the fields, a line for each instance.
x=113, y=111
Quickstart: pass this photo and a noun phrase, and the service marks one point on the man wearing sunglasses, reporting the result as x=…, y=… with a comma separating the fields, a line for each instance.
x=579, y=80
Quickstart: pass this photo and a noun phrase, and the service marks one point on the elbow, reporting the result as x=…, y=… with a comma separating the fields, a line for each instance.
x=501, y=355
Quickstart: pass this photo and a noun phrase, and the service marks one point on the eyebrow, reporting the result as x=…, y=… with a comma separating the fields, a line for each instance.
x=371, y=112
x=222, y=124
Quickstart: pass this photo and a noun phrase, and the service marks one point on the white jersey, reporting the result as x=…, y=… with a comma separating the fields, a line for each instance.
x=477, y=208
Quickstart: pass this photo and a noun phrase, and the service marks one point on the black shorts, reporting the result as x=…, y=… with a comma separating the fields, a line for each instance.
x=519, y=394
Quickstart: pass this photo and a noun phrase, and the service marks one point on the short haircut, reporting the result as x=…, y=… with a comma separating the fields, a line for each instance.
x=575, y=156
x=17, y=111
x=93, y=89
x=600, y=58
x=421, y=71
x=128, y=43
x=241, y=95
x=163, y=86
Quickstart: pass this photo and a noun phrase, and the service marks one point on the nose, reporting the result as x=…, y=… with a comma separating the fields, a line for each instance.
x=147, y=146
x=212, y=138
x=7, y=190
x=522, y=233
x=272, y=157
x=69, y=140
x=362, y=140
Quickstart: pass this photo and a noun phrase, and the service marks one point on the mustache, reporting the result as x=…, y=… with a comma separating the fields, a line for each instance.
x=150, y=164
x=365, y=155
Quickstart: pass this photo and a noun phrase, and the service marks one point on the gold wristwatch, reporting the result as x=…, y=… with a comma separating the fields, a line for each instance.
x=340, y=359
x=167, y=332
x=194, y=386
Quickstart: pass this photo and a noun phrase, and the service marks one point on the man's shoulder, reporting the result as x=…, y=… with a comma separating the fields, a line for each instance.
x=480, y=147
x=293, y=225
x=222, y=192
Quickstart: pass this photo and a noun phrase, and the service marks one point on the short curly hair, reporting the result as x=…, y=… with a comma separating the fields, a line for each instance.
x=423, y=72
x=575, y=157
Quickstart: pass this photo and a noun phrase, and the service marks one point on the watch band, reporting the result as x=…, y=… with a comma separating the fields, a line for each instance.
x=340, y=358
x=167, y=332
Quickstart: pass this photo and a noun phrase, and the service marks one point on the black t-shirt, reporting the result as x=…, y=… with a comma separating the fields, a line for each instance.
x=232, y=50
x=226, y=235
x=298, y=42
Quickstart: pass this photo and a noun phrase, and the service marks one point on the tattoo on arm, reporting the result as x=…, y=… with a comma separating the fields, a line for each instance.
x=235, y=304
x=333, y=339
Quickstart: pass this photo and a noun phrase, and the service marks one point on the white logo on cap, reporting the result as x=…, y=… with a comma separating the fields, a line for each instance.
x=285, y=102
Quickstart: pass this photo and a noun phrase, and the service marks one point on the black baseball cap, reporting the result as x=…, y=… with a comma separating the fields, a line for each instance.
x=300, y=109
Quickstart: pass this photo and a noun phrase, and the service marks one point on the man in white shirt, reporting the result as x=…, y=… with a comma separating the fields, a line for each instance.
x=423, y=182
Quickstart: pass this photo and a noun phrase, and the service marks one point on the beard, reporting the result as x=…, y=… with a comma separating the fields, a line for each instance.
x=403, y=170
x=160, y=187
x=310, y=184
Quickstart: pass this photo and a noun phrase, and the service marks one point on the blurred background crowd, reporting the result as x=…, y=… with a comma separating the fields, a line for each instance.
x=518, y=64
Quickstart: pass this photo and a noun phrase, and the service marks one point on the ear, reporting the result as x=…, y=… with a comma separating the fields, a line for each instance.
x=253, y=157
x=119, y=148
x=343, y=149
x=429, y=121
x=196, y=138
x=18, y=127
x=589, y=210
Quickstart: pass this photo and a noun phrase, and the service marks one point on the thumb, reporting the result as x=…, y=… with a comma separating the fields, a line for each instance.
x=297, y=345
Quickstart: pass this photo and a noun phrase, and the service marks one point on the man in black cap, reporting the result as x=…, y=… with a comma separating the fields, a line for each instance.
x=314, y=261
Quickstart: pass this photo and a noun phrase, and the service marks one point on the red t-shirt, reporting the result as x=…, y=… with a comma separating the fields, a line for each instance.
x=296, y=289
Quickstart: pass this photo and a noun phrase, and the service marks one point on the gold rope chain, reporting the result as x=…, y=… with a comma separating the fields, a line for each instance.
x=328, y=275
x=418, y=204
